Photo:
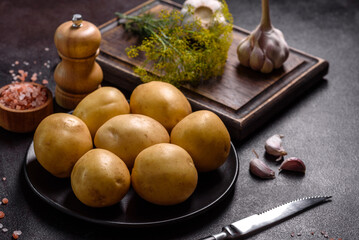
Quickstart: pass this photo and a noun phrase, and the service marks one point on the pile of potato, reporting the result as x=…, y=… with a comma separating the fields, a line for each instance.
x=154, y=143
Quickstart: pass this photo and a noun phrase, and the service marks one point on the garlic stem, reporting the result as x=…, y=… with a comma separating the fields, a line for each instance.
x=265, y=21
x=255, y=153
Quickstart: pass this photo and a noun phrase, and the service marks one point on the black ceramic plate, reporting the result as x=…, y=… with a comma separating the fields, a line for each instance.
x=132, y=211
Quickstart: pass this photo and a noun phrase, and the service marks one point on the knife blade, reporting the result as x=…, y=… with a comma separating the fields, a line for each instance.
x=265, y=219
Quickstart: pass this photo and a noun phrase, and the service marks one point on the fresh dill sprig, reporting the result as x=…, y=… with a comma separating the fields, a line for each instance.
x=176, y=52
x=144, y=25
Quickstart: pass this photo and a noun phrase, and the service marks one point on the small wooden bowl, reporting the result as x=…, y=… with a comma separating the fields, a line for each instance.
x=23, y=121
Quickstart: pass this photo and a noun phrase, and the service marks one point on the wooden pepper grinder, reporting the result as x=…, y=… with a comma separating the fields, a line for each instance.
x=78, y=74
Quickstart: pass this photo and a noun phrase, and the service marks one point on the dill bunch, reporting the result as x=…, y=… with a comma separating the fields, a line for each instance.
x=176, y=52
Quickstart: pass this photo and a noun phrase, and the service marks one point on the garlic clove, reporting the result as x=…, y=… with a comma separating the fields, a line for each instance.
x=260, y=169
x=273, y=146
x=267, y=66
x=243, y=52
x=278, y=54
x=256, y=58
x=293, y=164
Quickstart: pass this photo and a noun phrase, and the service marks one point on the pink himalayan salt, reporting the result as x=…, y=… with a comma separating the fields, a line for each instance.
x=23, y=95
x=34, y=77
x=22, y=76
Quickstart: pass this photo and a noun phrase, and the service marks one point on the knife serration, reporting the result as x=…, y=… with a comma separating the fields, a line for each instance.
x=267, y=218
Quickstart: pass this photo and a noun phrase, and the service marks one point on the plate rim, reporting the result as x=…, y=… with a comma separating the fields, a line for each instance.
x=136, y=224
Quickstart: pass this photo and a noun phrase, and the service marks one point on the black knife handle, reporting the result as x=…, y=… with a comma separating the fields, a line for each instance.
x=208, y=238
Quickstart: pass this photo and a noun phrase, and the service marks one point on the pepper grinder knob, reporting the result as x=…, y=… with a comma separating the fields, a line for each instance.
x=77, y=20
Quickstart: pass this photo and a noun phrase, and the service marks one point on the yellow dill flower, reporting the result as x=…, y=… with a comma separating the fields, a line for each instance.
x=180, y=52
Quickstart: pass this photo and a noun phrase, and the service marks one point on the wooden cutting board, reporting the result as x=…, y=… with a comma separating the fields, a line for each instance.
x=242, y=98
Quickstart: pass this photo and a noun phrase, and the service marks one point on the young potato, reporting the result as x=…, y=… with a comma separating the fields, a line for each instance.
x=164, y=174
x=205, y=137
x=100, y=178
x=101, y=105
x=59, y=141
x=161, y=101
x=128, y=134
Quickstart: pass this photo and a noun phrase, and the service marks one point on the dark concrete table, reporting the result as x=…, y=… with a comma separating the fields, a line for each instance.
x=321, y=127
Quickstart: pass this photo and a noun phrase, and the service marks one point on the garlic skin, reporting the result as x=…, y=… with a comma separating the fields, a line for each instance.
x=265, y=49
x=260, y=169
x=208, y=12
x=273, y=146
x=293, y=164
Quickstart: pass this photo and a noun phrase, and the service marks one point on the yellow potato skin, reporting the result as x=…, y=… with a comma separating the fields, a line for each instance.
x=59, y=141
x=101, y=105
x=164, y=174
x=161, y=101
x=205, y=137
x=100, y=178
x=128, y=134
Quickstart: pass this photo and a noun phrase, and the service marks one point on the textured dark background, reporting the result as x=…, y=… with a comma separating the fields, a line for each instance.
x=321, y=127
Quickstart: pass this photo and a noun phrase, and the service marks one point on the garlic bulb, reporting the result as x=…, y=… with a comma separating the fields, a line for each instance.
x=207, y=12
x=265, y=48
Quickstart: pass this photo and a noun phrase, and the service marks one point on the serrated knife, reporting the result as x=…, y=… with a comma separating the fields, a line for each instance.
x=265, y=219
